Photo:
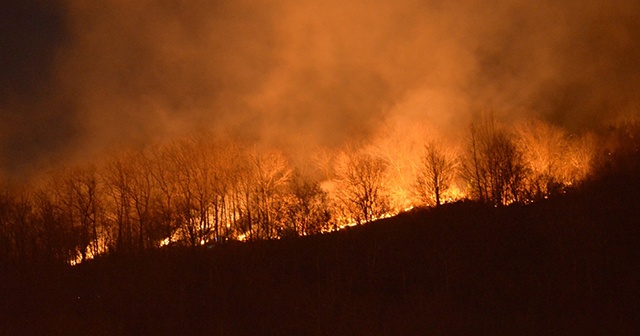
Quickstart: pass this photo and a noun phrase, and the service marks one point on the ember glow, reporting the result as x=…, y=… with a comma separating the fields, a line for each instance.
x=208, y=190
x=128, y=126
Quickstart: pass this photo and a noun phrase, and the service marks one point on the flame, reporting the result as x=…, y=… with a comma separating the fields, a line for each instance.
x=165, y=242
x=242, y=190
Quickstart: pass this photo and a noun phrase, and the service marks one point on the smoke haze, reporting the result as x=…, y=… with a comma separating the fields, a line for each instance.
x=78, y=77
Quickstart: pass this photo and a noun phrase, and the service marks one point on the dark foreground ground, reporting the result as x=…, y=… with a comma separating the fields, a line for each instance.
x=567, y=266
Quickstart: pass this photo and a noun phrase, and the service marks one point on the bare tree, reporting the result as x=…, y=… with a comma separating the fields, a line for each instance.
x=234, y=190
x=226, y=179
x=545, y=150
x=492, y=164
x=507, y=169
x=193, y=190
x=473, y=168
x=436, y=173
x=18, y=239
x=146, y=194
x=164, y=172
x=200, y=165
x=117, y=176
x=361, y=186
x=54, y=231
x=579, y=160
x=307, y=208
x=77, y=190
x=86, y=189
x=271, y=176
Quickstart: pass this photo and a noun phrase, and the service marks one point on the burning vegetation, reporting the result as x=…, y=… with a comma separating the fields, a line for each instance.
x=157, y=136
x=209, y=189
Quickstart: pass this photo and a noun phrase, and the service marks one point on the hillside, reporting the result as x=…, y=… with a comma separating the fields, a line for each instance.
x=567, y=265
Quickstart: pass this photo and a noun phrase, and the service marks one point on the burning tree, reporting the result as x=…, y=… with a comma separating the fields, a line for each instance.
x=147, y=200
x=492, y=164
x=164, y=176
x=272, y=174
x=117, y=178
x=196, y=185
x=307, y=206
x=77, y=193
x=544, y=148
x=435, y=174
x=579, y=159
x=209, y=189
x=362, y=189
x=400, y=148
x=554, y=159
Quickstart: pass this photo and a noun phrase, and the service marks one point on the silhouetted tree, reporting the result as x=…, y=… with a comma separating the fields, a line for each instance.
x=234, y=189
x=146, y=196
x=492, y=164
x=195, y=189
x=117, y=176
x=579, y=159
x=76, y=191
x=401, y=148
x=66, y=214
x=307, y=208
x=361, y=186
x=225, y=190
x=18, y=239
x=435, y=174
x=165, y=173
x=54, y=230
x=545, y=151
x=271, y=176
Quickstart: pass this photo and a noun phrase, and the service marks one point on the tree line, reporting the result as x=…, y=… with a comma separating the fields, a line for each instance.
x=208, y=189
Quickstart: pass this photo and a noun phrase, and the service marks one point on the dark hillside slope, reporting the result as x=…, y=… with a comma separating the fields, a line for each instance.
x=565, y=266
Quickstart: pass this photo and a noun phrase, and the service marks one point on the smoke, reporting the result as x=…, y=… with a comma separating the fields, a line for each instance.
x=79, y=77
x=33, y=122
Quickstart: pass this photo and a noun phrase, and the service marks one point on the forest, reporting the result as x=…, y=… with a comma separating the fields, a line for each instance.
x=563, y=264
x=207, y=189
x=301, y=167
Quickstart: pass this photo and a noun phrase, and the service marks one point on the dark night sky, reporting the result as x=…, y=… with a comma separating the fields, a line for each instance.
x=77, y=77
x=33, y=122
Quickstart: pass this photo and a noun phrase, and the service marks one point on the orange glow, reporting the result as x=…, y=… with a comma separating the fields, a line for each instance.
x=203, y=191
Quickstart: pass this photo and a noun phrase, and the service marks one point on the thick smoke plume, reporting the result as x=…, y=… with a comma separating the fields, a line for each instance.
x=79, y=77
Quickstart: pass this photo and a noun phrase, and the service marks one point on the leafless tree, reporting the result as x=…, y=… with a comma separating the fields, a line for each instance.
x=492, y=164
x=194, y=189
x=362, y=186
x=226, y=179
x=18, y=239
x=545, y=151
x=164, y=172
x=77, y=190
x=271, y=176
x=435, y=174
x=117, y=176
x=579, y=160
x=307, y=208
x=234, y=190
x=147, y=196
x=54, y=230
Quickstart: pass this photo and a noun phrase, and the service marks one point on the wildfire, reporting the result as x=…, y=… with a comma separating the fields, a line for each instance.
x=165, y=242
x=202, y=191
